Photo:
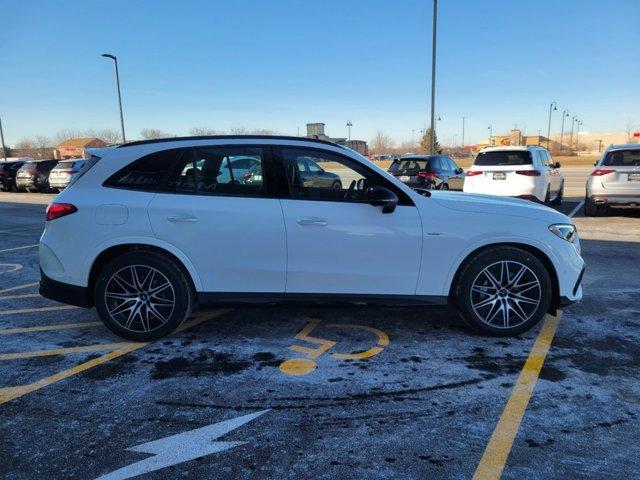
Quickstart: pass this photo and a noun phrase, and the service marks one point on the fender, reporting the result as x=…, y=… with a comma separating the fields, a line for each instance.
x=143, y=240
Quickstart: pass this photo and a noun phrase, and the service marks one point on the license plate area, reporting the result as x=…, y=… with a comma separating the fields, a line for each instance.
x=499, y=176
x=634, y=177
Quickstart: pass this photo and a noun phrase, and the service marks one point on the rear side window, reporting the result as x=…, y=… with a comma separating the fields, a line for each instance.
x=148, y=173
x=622, y=158
x=409, y=166
x=505, y=158
x=229, y=171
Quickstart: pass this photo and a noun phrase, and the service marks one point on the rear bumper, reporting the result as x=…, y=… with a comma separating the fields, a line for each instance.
x=64, y=292
x=616, y=199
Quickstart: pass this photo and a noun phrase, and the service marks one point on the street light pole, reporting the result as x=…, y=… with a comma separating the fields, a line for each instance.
x=552, y=107
x=432, y=145
x=565, y=113
x=4, y=152
x=573, y=120
x=463, y=132
x=349, y=125
x=578, y=123
x=115, y=61
x=490, y=128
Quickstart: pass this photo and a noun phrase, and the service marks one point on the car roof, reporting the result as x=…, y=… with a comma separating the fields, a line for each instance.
x=521, y=148
x=419, y=157
x=624, y=146
x=230, y=137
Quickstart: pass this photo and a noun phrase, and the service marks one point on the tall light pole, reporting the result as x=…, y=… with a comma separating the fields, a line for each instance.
x=432, y=145
x=578, y=123
x=463, y=132
x=4, y=152
x=349, y=125
x=115, y=61
x=490, y=128
x=413, y=138
x=573, y=120
x=565, y=114
x=553, y=107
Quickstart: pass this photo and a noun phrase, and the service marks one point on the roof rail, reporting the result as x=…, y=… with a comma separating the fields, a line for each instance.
x=229, y=137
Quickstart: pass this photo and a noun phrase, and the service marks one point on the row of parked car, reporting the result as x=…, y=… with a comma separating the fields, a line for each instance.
x=24, y=174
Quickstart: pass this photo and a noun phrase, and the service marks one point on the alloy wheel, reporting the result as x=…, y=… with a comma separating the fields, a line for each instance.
x=139, y=298
x=505, y=294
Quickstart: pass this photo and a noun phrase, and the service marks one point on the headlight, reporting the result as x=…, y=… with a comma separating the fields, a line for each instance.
x=566, y=231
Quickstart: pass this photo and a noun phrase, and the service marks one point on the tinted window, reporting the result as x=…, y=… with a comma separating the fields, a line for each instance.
x=622, y=158
x=410, y=166
x=148, y=173
x=219, y=171
x=503, y=158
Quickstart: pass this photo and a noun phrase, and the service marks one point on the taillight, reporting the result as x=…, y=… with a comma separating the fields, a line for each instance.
x=528, y=173
x=246, y=175
x=57, y=210
x=473, y=173
x=427, y=175
x=598, y=172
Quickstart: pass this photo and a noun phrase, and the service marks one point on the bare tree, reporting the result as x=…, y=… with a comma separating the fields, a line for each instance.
x=381, y=143
x=109, y=136
x=202, y=131
x=43, y=144
x=153, y=133
x=239, y=131
x=25, y=144
x=66, y=134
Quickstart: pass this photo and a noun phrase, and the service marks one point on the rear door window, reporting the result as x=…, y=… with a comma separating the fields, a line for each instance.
x=504, y=158
x=409, y=166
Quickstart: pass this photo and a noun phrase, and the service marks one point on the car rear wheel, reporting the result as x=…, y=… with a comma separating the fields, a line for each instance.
x=547, y=197
x=143, y=296
x=559, y=198
x=337, y=185
x=503, y=291
x=444, y=186
x=593, y=209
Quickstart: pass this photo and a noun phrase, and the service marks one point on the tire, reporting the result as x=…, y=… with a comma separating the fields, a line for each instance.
x=444, y=186
x=559, y=198
x=547, y=197
x=486, y=311
x=337, y=185
x=131, y=302
x=592, y=209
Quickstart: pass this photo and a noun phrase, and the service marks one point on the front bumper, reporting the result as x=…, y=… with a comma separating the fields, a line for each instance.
x=64, y=292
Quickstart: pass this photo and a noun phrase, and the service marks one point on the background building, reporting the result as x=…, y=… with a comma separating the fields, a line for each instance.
x=316, y=130
x=75, y=147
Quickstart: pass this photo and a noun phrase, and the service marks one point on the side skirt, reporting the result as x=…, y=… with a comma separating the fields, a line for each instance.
x=329, y=299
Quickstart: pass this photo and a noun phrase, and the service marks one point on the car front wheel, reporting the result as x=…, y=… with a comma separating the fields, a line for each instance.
x=503, y=291
x=143, y=296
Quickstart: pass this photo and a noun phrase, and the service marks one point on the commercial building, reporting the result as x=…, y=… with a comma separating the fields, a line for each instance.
x=316, y=130
x=75, y=147
x=516, y=138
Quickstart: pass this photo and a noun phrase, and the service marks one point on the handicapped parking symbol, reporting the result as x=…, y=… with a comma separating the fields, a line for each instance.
x=304, y=366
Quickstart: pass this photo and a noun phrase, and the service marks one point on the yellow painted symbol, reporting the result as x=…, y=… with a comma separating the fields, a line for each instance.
x=304, y=366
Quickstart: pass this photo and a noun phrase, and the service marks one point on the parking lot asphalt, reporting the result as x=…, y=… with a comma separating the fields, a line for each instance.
x=289, y=393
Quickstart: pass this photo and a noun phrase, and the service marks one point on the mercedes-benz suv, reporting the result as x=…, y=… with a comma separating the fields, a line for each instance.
x=148, y=230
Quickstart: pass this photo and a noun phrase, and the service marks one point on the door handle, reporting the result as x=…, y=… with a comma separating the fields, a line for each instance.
x=312, y=221
x=182, y=219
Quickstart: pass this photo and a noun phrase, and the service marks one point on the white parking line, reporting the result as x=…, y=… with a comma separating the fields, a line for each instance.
x=18, y=248
x=19, y=287
x=24, y=295
x=575, y=210
x=32, y=310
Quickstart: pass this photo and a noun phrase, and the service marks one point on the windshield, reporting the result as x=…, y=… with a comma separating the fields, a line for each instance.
x=622, y=158
x=409, y=166
x=500, y=158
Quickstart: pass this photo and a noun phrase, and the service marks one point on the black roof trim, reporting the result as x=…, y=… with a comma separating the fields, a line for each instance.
x=229, y=137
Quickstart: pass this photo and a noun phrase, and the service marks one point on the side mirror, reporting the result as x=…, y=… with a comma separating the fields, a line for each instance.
x=595, y=163
x=556, y=165
x=321, y=172
x=459, y=171
x=382, y=197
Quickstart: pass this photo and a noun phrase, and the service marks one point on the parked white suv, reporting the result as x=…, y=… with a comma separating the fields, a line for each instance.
x=154, y=228
x=524, y=172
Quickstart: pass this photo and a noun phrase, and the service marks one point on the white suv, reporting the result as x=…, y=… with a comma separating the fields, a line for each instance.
x=524, y=172
x=154, y=228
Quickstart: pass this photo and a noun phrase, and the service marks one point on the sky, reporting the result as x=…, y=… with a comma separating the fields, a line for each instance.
x=280, y=64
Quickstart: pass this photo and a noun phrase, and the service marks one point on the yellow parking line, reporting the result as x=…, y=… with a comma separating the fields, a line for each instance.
x=18, y=248
x=19, y=287
x=11, y=393
x=499, y=446
x=39, y=309
x=65, y=351
x=15, y=297
x=44, y=328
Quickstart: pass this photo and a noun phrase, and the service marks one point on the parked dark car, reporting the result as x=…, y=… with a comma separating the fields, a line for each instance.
x=8, y=172
x=307, y=173
x=428, y=171
x=34, y=176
